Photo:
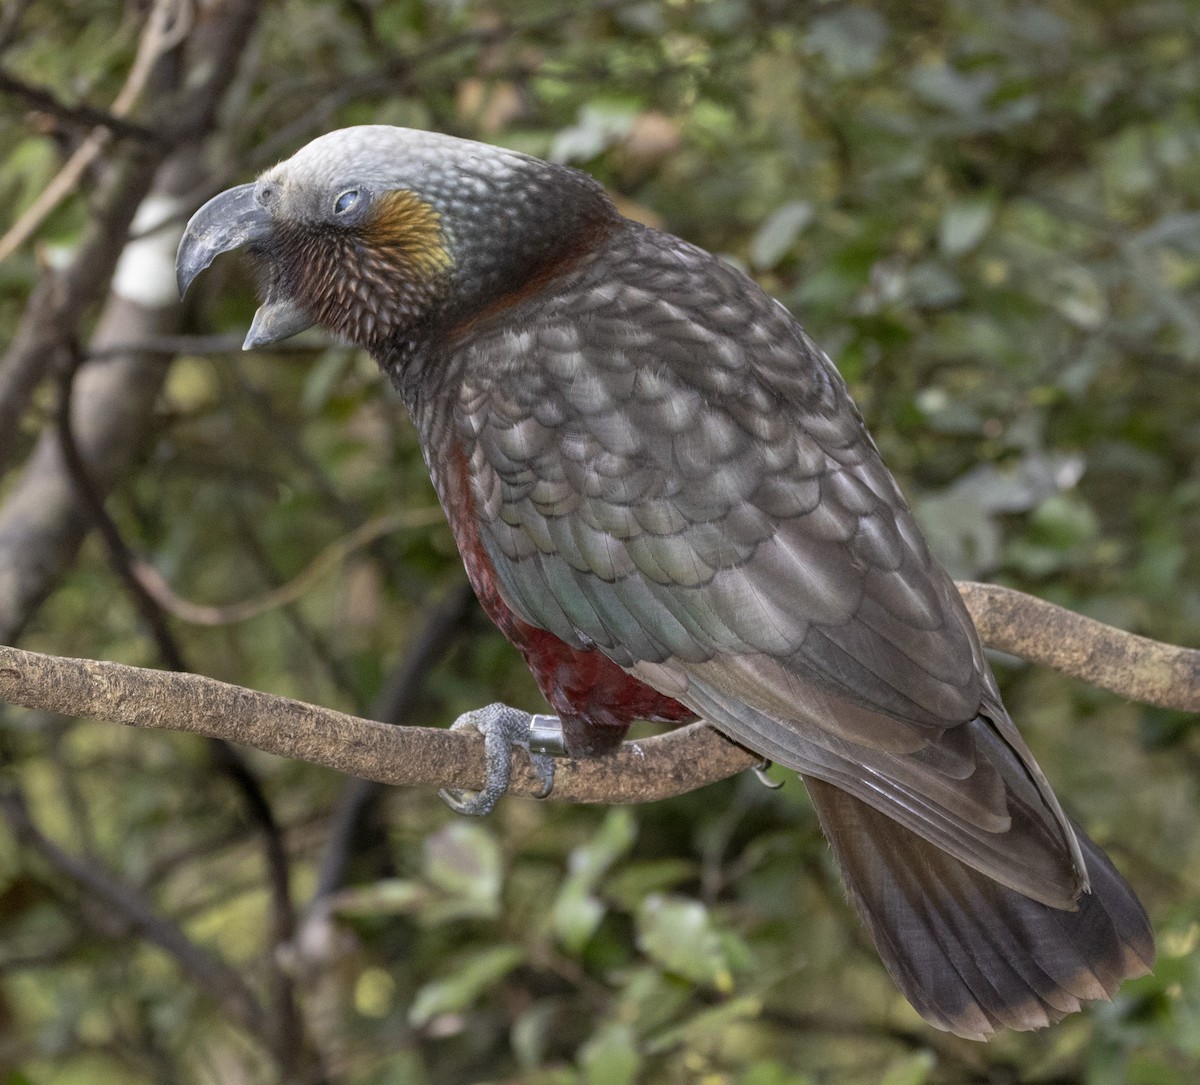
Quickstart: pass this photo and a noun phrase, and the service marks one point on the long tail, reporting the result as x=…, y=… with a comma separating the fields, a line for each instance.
x=971, y=955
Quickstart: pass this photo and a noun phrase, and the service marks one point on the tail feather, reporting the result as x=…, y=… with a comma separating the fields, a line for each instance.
x=970, y=954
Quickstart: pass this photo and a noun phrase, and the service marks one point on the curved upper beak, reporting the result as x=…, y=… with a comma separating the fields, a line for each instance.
x=230, y=221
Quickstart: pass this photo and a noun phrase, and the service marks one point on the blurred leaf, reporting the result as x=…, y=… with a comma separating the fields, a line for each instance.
x=390, y=896
x=964, y=224
x=374, y=993
x=462, y=861
x=576, y=916
x=465, y=981
x=402, y=1068
x=630, y=885
x=962, y=524
x=600, y=125
x=947, y=88
x=1163, y=560
x=1063, y=520
x=323, y=377
x=16, y=1077
x=911, y=1069
x=702, y=1027
x=1079, y=296
x=961, y=533
x=678, y=933
x=1162, y=728
x=775, y=237
x=610, y=1057
x=849, y=38
x=932, y=285
x=773, y=1073
x=576, y=912
x=531, y=1033
x=1180, y=229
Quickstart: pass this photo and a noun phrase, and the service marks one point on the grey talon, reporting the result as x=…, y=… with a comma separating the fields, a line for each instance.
x=503, y=728
x=760, y=770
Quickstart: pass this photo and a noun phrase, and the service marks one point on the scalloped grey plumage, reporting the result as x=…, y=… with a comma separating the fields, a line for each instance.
x=663, y=467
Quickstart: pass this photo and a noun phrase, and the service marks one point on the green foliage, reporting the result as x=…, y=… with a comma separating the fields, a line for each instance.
x=984, y=211
x=464, y=981
x=577, y=912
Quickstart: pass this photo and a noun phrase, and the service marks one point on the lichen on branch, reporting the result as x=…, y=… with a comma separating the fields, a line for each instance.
x=641, y=771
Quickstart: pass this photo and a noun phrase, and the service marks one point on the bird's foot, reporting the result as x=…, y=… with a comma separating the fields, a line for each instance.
x=502, y=729
x=760, y=770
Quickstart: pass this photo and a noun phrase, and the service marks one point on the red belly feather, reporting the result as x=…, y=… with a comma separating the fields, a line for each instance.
x=595, y=699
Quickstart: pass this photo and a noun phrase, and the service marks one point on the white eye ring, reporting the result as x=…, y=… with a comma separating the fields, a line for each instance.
x=346, y=201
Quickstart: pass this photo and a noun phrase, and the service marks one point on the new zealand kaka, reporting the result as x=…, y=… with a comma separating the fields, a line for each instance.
x=667, y=501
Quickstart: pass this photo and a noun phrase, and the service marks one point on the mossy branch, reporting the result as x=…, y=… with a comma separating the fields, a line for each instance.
x=642, y=771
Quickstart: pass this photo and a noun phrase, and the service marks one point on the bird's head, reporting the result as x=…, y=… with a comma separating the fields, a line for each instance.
x=375, y=232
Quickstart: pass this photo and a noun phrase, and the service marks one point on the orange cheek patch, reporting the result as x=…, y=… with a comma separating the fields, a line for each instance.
x=406, y=225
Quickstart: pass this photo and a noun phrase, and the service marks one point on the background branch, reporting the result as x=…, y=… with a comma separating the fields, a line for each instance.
x=78, y=113
x=285, y=1029
x=214, y=977
x=154, y=584
x=41, y=523
x=166, y=26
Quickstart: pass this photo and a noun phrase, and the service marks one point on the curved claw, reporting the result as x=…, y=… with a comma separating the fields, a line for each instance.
x=760, y=770
x=502, y=729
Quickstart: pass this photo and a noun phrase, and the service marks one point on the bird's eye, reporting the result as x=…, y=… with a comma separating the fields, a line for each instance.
x=346, y=201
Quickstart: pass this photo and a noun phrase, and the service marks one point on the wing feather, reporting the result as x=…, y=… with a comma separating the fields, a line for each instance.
x=678, y=476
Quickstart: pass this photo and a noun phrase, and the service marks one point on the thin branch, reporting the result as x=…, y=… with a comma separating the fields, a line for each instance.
x=227, y=759
x=340, y=672
x=190, y=92
x=351, y=823
x=155, y=585
x=68, y=781
x=171, y=345
x=80, y=114
x=642, y=771
x=121, y=558
x=441, y=630
x=220, y=982
x=166, y=26
x=284, y=435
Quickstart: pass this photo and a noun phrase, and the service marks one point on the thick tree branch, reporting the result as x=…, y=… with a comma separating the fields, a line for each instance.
x=1135, y=667
x=642, y=771
x=41, y=524
x=62, y=297
x=656, y=768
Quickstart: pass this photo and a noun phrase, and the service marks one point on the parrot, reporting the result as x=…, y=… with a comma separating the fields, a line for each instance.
x=666, y=499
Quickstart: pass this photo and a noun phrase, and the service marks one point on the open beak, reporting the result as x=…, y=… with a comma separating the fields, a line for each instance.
x=232, y=220
x=228, y=221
